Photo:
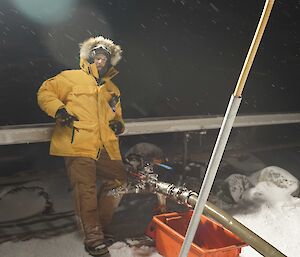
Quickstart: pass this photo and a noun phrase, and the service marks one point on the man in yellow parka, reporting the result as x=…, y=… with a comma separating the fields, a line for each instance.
x=86, y=106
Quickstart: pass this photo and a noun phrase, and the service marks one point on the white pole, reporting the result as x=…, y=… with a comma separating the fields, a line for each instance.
x=212, y=168
x=224, y=132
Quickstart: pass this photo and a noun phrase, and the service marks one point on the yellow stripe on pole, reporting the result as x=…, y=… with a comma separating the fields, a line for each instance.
x=253, y=48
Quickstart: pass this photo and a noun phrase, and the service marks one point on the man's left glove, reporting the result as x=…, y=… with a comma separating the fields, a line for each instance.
x=117, y=126
x=64, y=118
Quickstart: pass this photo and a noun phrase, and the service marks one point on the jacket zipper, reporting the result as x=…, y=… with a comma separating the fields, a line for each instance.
x=73, y=134
x=98, y=114
x=98, y=154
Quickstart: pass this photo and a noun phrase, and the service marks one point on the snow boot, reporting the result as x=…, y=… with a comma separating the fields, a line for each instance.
x=99, y=250
x=109, y=239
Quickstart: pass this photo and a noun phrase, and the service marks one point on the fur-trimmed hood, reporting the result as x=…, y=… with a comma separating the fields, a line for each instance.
x=89, y=44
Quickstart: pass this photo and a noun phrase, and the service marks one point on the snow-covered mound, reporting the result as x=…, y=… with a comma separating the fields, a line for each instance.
x=240, y=189
x=278, y=176
x=265, y=202
x=276, y=218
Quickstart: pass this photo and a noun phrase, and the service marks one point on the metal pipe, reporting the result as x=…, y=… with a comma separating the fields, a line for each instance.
x=148, y=180
x=225, y=131
x=187, y=197
x=237, y=228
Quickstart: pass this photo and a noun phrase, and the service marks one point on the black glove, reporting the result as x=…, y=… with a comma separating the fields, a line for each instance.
x=117, y=126
x=64, y=118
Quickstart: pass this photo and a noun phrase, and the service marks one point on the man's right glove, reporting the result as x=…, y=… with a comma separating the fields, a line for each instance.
x=117, y=126
x=64, y=118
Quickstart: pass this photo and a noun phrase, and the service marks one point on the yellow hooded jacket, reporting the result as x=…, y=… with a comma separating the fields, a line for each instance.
x=79, y=93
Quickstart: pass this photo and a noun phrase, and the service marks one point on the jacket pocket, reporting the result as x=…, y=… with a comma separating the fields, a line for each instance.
x=85, y=136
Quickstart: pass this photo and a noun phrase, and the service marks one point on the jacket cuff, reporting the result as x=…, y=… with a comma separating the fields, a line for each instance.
x=54, y=106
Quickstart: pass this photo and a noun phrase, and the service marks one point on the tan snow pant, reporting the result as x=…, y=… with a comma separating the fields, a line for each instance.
x=94, y=208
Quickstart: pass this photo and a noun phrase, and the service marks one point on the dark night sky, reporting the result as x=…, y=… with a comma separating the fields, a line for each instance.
x=180, y=57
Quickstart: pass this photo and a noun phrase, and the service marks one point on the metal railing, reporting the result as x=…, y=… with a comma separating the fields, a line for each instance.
x=34, y=133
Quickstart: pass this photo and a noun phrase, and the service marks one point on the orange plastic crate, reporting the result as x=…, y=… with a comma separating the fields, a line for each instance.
x=211, y=238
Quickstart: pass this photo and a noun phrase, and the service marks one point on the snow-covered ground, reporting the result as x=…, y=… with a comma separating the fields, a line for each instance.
x=276, y=219
x=68, y=245
x=267, y=202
